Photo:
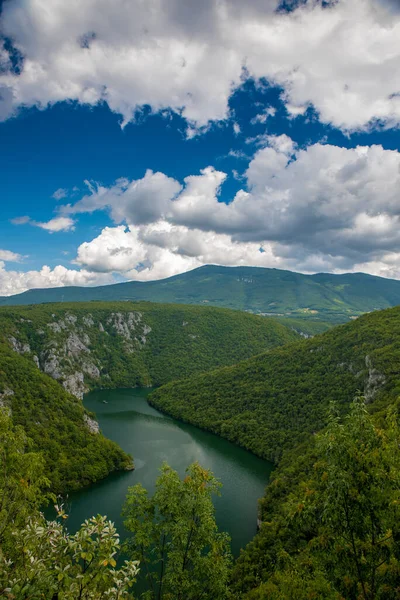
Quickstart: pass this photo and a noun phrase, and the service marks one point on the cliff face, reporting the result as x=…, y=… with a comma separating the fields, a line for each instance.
x=67, y=348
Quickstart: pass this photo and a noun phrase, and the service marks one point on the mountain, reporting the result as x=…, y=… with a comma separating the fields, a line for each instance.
x=50, y=355
x=276, y=400
x=324, y=297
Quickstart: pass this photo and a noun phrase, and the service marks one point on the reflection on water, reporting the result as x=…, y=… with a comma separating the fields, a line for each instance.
x=152, y=438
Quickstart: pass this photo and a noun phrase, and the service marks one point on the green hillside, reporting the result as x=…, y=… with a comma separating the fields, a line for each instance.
x=276, y=404
x=55, y=421
x=322, y=297
x=50, y=355
x=274, y=401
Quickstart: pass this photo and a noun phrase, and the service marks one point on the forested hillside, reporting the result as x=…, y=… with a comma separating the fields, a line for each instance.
x=276, y=400
x=329, y=520
x=322, y=297
x=51, y=354
x=334, y=482
x=56, y=422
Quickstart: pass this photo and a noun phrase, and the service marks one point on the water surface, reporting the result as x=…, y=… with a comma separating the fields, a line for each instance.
x=151, y=437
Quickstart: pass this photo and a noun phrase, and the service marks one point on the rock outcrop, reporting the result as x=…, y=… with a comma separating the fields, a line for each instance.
x=64, y=345
x=374, y=381
x=18, y=346
x=5, y=400
x=91, y=424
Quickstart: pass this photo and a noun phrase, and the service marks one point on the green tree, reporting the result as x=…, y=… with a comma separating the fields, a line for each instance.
x=350, y=512
x=176, y=539
x=22, y=482
x=51, y=563
x=39, y=558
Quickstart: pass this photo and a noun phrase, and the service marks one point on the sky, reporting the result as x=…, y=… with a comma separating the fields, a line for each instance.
x=146, y=138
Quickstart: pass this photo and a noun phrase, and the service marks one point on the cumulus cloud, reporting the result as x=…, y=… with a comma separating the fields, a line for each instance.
x=263, y=116
x=313, y=209
x=161, y=250
x=15, y=282
x=141, y=201
x=7, y=255
x=189, y=56
x=57, y=224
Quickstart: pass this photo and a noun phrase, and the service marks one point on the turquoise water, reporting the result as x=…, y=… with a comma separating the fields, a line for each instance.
x=151, y=437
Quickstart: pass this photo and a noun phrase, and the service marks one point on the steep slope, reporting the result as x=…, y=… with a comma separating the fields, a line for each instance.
x=274, y=401
x=86, y=346
x=325, y=297
x=76, y=453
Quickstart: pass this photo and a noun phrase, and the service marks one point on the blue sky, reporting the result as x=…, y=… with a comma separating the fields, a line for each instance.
x=141, y=145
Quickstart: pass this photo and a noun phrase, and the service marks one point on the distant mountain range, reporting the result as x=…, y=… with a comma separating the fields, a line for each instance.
x=326, y=297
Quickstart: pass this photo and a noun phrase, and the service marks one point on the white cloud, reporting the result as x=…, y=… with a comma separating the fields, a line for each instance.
x=239, y=154
x=317, y=208
x=60, y=194
x=236, y=128
x=8, y=256
x=161, y=250
x=20, y=220
x=142, y=201
x=55, y=225
x=15, y=282
x=262, y=117
x=344, y=60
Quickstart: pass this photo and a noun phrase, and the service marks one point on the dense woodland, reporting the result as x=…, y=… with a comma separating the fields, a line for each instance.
x=330, y=515
x=174, y=547
x=330, y=527
x=53, y=420
x=183, y=340
x=274, y=401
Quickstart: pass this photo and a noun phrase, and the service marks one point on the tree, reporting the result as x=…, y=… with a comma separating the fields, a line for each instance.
x=175, y=537
x=39, y=558
x=23, y=486
x=350, y=513
x=174, y=533
x=51, y=563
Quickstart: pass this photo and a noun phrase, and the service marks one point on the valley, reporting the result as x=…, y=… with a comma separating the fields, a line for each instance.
x=50, y=355
x=237, y=392
x=152, y=438
x=276, y=400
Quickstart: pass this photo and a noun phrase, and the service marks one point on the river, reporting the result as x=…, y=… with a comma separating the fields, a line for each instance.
x=151, y=437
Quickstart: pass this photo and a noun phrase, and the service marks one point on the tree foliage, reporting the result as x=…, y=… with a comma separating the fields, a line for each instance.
x=277, y=400
x=39, y=558
x=175, y=537
x=165, y=342
x=48, y=562
x=337, y=529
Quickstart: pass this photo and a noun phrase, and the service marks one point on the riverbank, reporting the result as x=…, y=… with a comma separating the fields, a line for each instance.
x=152, y=437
